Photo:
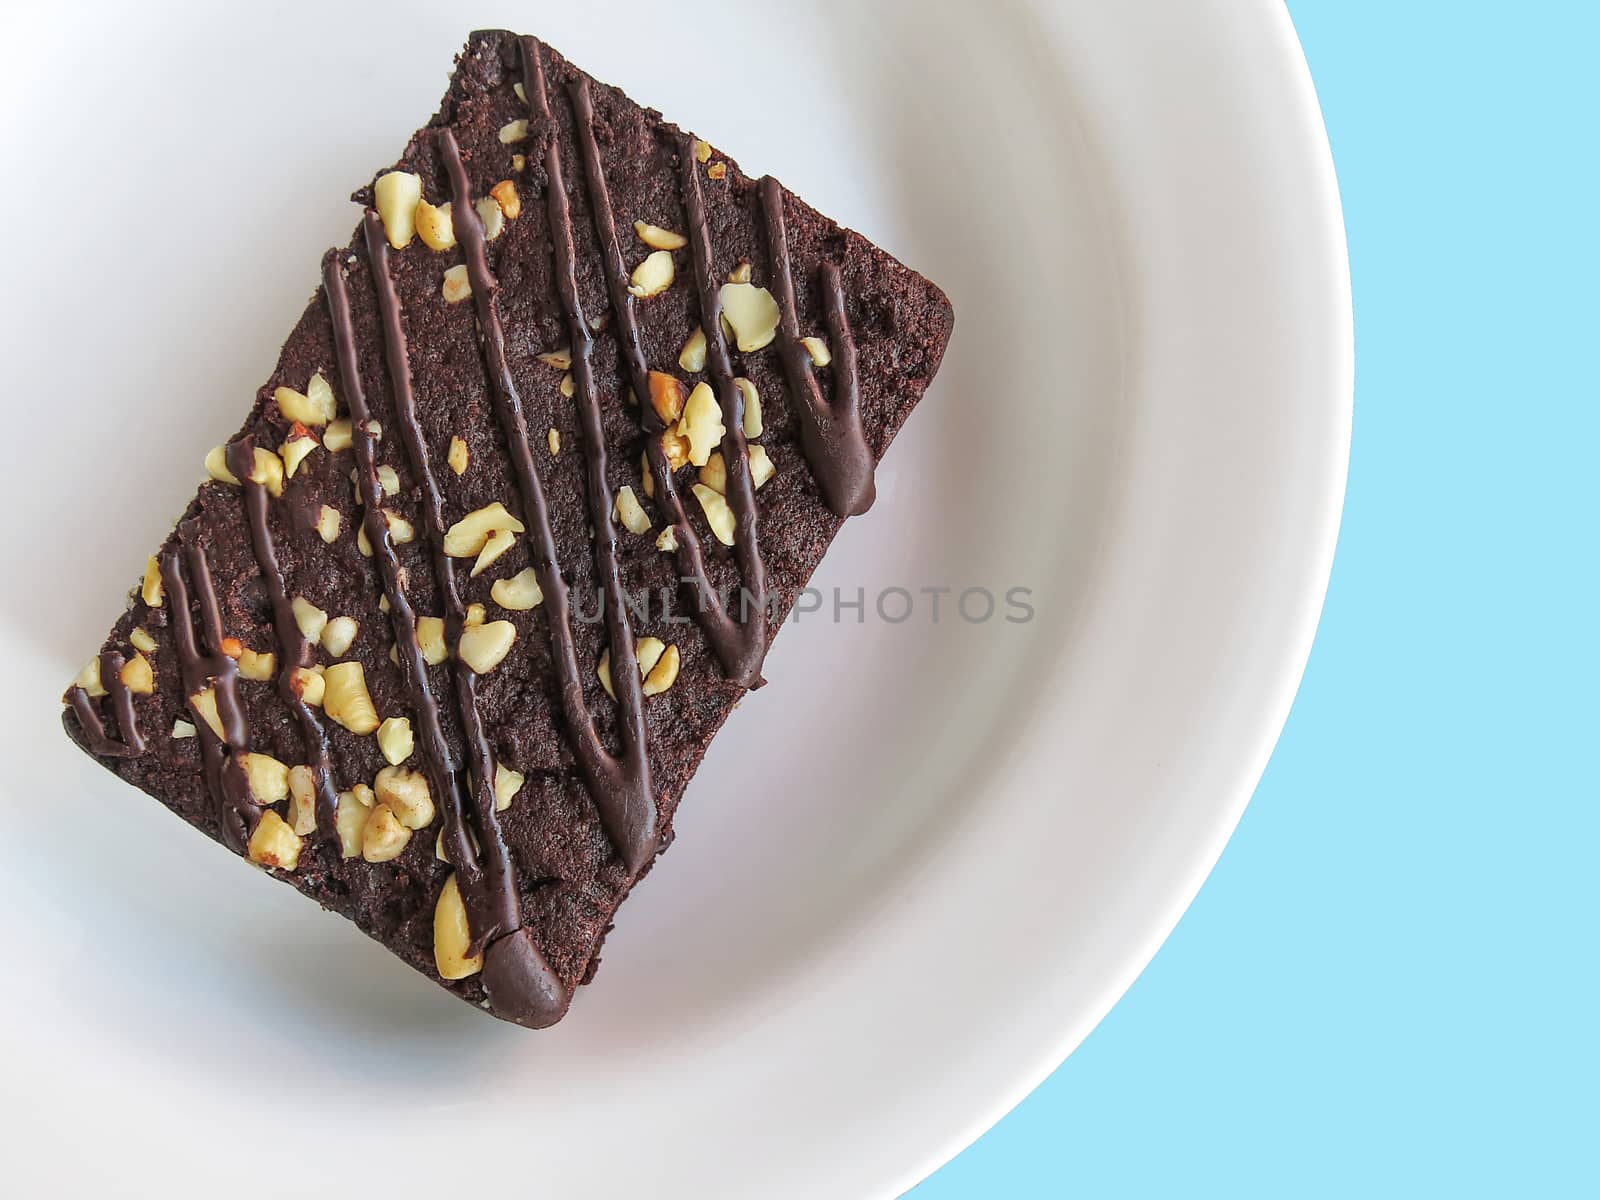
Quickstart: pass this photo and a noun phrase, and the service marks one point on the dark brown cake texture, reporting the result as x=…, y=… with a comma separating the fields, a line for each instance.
x=541, y=470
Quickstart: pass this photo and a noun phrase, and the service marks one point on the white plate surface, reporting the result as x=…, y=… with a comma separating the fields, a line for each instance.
x=914, y=872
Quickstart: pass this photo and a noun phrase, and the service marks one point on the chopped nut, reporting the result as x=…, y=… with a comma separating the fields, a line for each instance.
x=345, y=697
x=268, y=471
x=482, y=647
x=396, y=195
x=761, y=468
x=818, y=349
x=336, y=436
x=653, y=276
x=137, y=676
x=514, y=131
x=204, y=705
x=667, y=540
x=752, y=407
x=452, y=936
x=664, y=673
x=274, y=843
x=518, y=161
x=395, y=739
x=151, y=591
x=701, y=423
x=702, y=151
x=401, y=531
x=476, y=615
x=507, y=783
x=676, y=447
x=328, y=523
x=384, y=838
x=302, y=800
x=407, y=794
x=519, y=593
x=311, y=619
x=338, y=634
x=383, y=604
x=435, y=226
x=388, y=479
x=304, y=409
x=646, y=477
x=561, y=360
x=650, y=652
x=693, y=355
x=142, y=640
x=258, y=667
x=666, y=396
x=498, y=543
x=457, y=287
x=522, y=94
x=320, y=392
x=715, y=475
x=553, y=440
x=182, y=729
x=351, y=817
x=505, y=195
x=740, y=273
x=630, y=513
x=363, y=542
x=430, y=640
x=717, y=170
x=217, y=465
x=375, y=428
x=658, y=238
x=232, y=647
x=294, y=450
x=269, y=778
x=718, y=515
x=494, y=220
x=752, y=312
x=308, y=684
x=458, y=456
x=466, y=538
x=567, y=386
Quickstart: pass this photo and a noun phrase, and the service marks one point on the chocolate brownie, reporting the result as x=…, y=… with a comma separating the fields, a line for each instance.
x=542, y=468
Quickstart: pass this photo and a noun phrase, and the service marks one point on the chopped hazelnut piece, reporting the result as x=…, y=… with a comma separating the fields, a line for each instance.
x=338, y=634
x=407, y=794
x=336, y=436
x=492, y=217
x=718, y=515
x=435, y=226
x=505, y=195
x=561, y=360
x=458, y=456
x=519, y=593
x=653, y=276
x=396, y=740
x=182, y=729
x=302, y=800
x=452, y=936
x=658, y=238
x=466, y=538
x=457, y=287
x=553, y=440
x=752, y=407
x=702, y=151
x=497, y=544
x=268, y=778
x=664, y=673
x=308, y=684
x=137, y=676
x=752, y=312
x=514, y=131
x=430, y=640
x=717, y=170
x=352, y=815
x=630, y=513
x=313, y=407
x=151, y=590
x=142, y=640
x=274, y=843
x=693, y=355
x=89, y=678
x=257, y=667
x=507, y=783
x=204, y=705
x=701, y=423
x=217, y=465
x=328, y=523
x=667, y=540
x=761, y=468
x=345, y=697
x=483, y=647
x=311, y=619
x=740, y=273
x=666, y=396
x=384, y=838
x=396, y=195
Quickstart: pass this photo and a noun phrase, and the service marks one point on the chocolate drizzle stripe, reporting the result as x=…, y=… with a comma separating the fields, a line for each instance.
x=132, y=744
x=740, y=488
x=620, y=788
x=738, y=646
x=830, y=434
x=236, y=813
x=489, y=893
x=292, y=645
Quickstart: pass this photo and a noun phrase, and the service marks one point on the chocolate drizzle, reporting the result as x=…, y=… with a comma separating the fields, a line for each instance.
x=830, y=434
x=292, y=645
x=619, y=785
x=487, y=885
x=236, y=813
x=740, y=645
x=522, y=987
x=94, y=732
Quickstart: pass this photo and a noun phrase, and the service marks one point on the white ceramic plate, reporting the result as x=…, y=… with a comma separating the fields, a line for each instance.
x=860, y=951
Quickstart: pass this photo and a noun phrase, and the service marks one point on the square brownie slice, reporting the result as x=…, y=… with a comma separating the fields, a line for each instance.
x=541, y=470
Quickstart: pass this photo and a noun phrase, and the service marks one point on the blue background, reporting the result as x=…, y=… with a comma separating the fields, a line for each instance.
x=1387, y=986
